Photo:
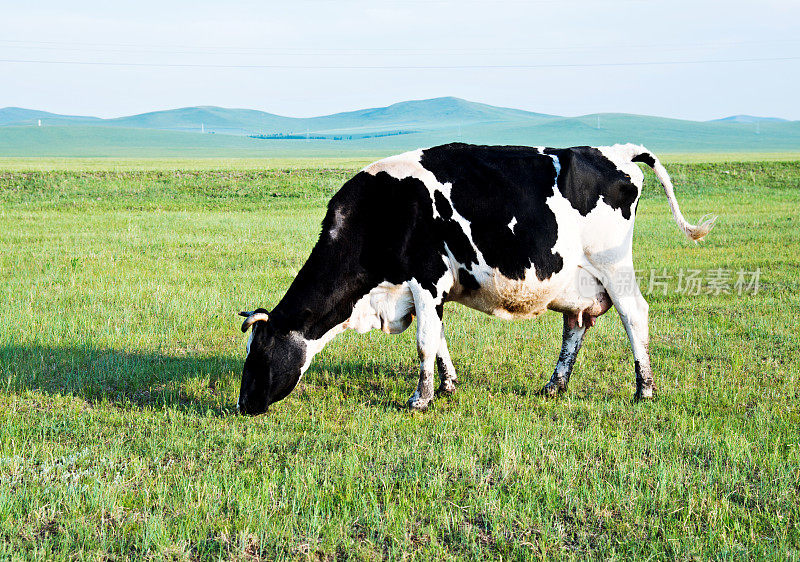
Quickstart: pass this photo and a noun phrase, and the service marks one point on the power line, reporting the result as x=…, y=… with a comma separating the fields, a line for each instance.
x=221, y=49
x=400, y=66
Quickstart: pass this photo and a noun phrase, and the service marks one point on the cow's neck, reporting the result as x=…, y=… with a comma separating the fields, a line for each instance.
x=322, y=295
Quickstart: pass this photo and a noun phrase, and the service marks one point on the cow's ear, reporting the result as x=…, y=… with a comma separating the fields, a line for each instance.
x=305, y=315
x=258, y=315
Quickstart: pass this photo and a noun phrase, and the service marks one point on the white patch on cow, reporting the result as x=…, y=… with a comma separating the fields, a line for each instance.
x=315, y=346
x=338, y=221
x=610, y=242
x=512, y=223
x=387, y=307
x=398, y=166
x=250, y=341
x=568, y=234
x=445, y=284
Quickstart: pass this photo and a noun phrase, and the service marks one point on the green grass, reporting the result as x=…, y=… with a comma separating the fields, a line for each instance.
x=120, y=357
x=42, y=164
x=38, y=164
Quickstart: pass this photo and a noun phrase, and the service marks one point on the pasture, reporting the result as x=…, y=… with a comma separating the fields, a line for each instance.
x=121, y=354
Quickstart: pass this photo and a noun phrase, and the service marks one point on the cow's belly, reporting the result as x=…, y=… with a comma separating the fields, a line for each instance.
x=572, y=290
x=387, y=307
x=512, y=299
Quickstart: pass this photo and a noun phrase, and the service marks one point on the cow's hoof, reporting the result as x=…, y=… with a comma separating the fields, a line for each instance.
x=419, y=403
x=643, y=394
x=447, y=387
x=552, y=390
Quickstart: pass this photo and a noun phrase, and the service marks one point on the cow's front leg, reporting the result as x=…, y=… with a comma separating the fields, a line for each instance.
x=447, y=372
x=572, y=338
x=429, y=339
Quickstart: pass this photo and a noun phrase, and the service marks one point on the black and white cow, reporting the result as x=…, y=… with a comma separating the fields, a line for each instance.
x=511, y=231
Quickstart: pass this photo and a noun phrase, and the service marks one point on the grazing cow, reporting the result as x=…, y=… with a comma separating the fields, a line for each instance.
x=511, y=231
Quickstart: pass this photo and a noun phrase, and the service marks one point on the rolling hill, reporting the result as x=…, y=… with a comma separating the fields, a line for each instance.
x=418, y=114
x=372, y=131
x=749, y=119
x=22, y=116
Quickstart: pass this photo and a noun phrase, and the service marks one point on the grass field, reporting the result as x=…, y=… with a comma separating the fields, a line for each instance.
x=34, y=164
x=120, y=359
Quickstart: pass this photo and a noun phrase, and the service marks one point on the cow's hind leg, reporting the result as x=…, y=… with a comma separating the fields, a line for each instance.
x=634, y=313
x=429, y=342
x=570, y=345
x=447, y=372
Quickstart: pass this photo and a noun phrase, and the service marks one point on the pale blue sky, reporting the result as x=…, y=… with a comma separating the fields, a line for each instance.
x=312, y=57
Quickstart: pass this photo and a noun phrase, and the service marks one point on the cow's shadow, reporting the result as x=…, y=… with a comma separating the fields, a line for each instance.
x=191, y=383
x=96, y=375
x=376, y=382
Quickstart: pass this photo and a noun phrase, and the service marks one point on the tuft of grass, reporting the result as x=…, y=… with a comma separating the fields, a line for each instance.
x=120, y=357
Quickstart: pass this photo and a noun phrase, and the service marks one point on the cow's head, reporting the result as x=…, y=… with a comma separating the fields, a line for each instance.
x=273, y=365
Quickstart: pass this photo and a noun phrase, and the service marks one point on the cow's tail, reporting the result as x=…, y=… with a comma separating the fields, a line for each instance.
x=694, y=232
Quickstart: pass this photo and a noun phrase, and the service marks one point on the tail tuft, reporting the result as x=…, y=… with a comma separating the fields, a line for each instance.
x=693, y=232
x=700, y=231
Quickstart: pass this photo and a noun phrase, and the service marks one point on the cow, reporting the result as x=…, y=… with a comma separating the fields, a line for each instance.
x=511, y=231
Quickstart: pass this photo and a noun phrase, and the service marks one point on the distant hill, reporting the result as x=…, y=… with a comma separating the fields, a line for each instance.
x=420, y=114
x=216, y=119
x=372, y=132
x=22, y=116
x=425, y=114
x=749, y=119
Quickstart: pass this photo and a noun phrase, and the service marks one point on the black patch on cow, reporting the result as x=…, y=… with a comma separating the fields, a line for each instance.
x=443, y=205
x=467, y=280
x=645, y=157
x=586, y=175
x=440, y=310
x=451, y=232
x=491, y=185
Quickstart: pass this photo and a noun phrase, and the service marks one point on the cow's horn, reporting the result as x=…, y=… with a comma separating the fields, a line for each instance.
x=252, y=318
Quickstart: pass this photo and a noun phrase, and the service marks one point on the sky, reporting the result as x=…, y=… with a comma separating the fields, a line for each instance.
x=685, y=59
